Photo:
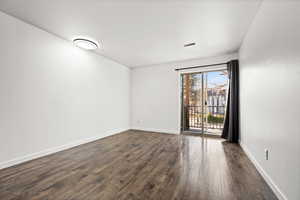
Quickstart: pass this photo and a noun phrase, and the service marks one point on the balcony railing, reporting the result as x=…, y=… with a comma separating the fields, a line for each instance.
x=212, y=117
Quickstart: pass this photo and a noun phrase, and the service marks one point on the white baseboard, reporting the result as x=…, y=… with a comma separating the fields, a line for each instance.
x=156, y=130
x=264, y=174
x=46, y=152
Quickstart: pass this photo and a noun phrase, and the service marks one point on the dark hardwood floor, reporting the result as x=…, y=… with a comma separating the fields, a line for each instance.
x=138, y=165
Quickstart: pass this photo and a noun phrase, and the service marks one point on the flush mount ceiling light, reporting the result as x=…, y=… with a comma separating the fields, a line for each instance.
x=85, y=43
x=189, y=44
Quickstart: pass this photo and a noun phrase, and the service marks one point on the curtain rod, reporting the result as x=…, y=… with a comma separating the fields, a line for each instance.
x=216, y=64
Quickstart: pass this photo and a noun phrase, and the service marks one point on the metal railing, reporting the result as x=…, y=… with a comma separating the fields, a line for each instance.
x=212, y=117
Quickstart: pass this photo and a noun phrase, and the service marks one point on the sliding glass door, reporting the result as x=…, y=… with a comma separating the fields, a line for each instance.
x=204, y=96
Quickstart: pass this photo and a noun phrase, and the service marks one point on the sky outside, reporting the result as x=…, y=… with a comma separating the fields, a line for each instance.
x=216, y=78
x=213, y=79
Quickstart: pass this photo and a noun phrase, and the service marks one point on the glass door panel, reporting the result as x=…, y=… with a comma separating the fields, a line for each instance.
x=204, y=98
x=192, y=102
x=215, y=89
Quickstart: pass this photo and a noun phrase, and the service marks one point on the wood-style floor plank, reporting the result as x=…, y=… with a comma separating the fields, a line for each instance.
x=136, y=165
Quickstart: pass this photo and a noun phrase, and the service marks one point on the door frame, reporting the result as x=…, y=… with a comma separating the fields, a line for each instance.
x=180, y=84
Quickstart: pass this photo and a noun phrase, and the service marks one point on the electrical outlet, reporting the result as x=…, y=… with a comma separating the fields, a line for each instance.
x=267, y=154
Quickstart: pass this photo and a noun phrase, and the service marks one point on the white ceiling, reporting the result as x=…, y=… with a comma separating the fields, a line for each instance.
x=144, y=32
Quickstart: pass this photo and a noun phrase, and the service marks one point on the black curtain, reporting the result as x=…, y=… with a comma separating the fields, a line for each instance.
x=231, y=122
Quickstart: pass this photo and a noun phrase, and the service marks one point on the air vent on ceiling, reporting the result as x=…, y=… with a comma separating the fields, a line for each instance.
x=189, y=44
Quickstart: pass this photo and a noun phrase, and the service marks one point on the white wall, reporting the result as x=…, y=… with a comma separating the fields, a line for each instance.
x=155, y=94
x=54, y=95
x=270, y=94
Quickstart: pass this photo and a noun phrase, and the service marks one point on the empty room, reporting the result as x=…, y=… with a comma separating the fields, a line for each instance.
x=149, y=99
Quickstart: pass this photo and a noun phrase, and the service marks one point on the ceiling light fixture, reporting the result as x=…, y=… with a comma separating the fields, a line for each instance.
x=85, y=43
x=189, y=44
